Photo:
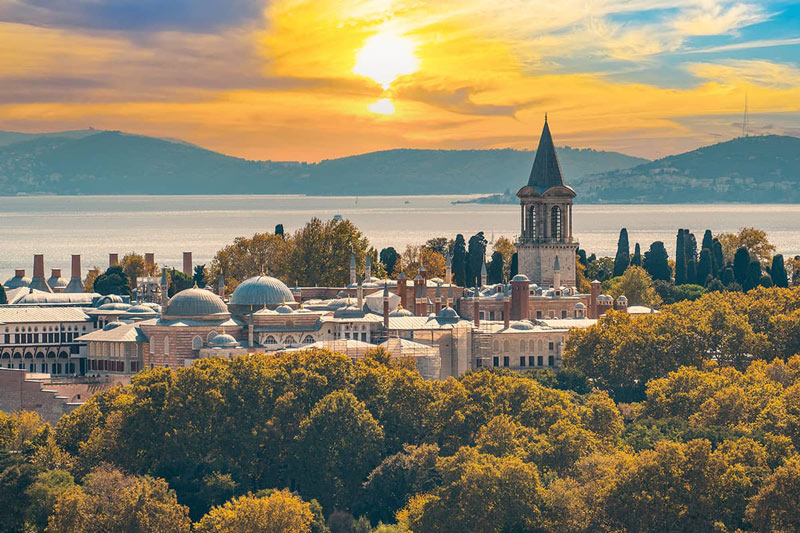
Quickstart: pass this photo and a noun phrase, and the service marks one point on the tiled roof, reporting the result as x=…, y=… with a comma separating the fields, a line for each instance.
x=546, y=171
x=15, y=315
x=126, y=333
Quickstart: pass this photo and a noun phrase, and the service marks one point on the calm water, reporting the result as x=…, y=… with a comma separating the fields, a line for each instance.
x=168, y=225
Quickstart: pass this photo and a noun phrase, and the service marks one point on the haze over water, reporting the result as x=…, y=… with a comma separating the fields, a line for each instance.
x=95, y=226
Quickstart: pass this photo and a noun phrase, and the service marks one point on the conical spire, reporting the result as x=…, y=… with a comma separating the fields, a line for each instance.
x=546, y=171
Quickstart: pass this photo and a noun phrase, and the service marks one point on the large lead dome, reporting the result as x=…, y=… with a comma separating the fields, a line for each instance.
x=195, y=303
x=260, y=291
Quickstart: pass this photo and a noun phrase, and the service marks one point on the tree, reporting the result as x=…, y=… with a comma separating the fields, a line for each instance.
x=319, y=253
x=704, y=267
x=135, y=267
x=263, y=253
x=475, y=258
x=719, y=258
x=389, y=257
x=340, y=442
x=741, y=262
x=514, y=268
x=623, y=257
x=600, y=269
x=636, y=260
x=3, y=297
x=279, y=230
x=494, y=273
x=778, y=272
x=91, y=275
x=280, y=512
x=708, y=240
x=680, y=258
x=178, y=281
x=637, y=286
x=113, y=281
x=507, y=248
x=109, y=500
x=753, y=276
x=415, y=256
x=440, y=245
x=754, y=240
x=776, y=507
x=199, y=277
x=43, y=494
x=656, y=262
x=460, y=261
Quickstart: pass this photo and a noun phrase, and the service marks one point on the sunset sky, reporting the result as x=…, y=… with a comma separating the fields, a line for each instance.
x=308, y=80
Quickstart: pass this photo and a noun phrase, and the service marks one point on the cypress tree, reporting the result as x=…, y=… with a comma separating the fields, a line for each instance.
x=279, y=229
x=475, y=255
x=460, y=261
x=765, y=281
x=778, y=272
x=691, y=272
x=3, y=297
x=636, y=260
x=656, y=262
x=718, y=257
x=514, y=268
x=494, y=273
x=708, y=240
x=582, y=257
x=753, y=277
x=726, y=275
x=623, y=257
x=680, y=258
x=704, y=270
x=741, y=261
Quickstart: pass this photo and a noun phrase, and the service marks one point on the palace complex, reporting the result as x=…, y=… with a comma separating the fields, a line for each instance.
x=54, y=337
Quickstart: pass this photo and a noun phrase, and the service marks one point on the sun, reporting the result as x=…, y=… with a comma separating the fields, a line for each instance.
x=384, y=106
x=385, y=56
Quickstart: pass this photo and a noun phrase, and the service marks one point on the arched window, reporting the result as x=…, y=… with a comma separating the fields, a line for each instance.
x=496, y=346
x=197, y=342
x=211, y=335
x=555, y=222
x=308, y=339
x=541, y=346
x=270, y=340
x=289, y=341
x=530, y=222
x=506, y=347
x=166, y=345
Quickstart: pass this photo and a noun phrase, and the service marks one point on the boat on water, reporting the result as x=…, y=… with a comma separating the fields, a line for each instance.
x=337, y=217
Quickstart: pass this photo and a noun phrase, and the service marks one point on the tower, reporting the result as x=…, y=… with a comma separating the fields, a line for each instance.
x=352, y=269
x=546, y=219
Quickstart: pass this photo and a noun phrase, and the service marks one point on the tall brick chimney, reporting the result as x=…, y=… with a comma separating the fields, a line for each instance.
x=402, y=287
x=38, y=282
x=595, y=293
x=506, y=309
x=187, y=263
x=476, y=307
x=75, y=282
x=520, y=290
x=149, y=259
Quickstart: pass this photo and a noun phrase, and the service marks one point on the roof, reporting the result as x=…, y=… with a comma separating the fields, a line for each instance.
x=424, y=323
x=16, y=315
x=261, y=290
x=123, y=333
x=567, y=323
x=196, y=303
x=546, y=171
x=189, y=322
x=37, y=297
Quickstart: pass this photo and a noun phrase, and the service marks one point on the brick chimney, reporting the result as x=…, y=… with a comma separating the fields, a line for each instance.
x=476, y=308
x=402, y=286
x=520, y=290
x=19, y=273
x=506, y=309
x=38, y=282
x=75, y=282
x=187, y=263
x=113, y=260
x=595, y=293
x=149, y=259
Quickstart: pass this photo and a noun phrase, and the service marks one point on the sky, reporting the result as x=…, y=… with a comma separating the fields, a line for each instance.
x=310, y=80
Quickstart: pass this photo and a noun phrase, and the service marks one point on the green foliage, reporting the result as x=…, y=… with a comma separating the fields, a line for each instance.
x=623, y=257
x=636, y=260
x=741, y=263
x=656, y=262
x=460, y=261
x=178, y=281
x=389, y=257
x=3, y=297
x=278, y=512
x=494, y=273
x=671, y=294
x=113, y=281
x=601, y=269
x=476, y=252
x=777, y=272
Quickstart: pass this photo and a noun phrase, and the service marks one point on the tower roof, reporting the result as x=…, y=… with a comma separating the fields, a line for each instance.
x=546, y=171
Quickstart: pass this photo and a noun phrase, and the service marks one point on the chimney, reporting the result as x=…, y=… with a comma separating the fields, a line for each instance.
x=506, y=309
x=221, y=286
x=476, y=307
x=556, y=274
x=520, y=290
x=595, y=293
x=360, y=295
x=448, y=269
x=187, y=263
x=164, y=291
x=149, y=259
x=368, y=268
x=438, y=302
x=75, y=284
x=38, y=282
x=250, y=328
x=352, y=269
x=402, y=288
x=113, y=260
x=386, y=308
x=19, y=273
x=421, y=300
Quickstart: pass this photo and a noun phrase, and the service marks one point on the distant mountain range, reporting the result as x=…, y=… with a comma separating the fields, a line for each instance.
x=748, y=169
x=84, y=162
x=111, y=162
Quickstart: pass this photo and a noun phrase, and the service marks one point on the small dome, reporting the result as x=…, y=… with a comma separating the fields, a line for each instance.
x=400, y=312
x=284, y=309
x=580, y=305
x=108, y=299
x=520, y=277
x=57, y=282
x=140, y=309
x=223, y=341
x=622, y=299
x=605, y=298
x=154, y=306
x=112, y=325
x=196, y=303
x=115, y=306
x=447, y=313
x=19, y=280
x=524, y=325
x=260, y=291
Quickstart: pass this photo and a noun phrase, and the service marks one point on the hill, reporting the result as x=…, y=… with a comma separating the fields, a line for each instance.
x=111, y=162
x=748, y=169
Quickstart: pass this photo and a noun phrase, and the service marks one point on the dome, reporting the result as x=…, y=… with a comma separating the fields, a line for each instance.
x=447, y=313
x=140, y=310
x=115, y=306
x=223, y=341
x=195, y=303
x=520, y=277
x=400, y=312
x=284, y=309
x=108, y=298
x=522, y=325
x=57, y=282
x=152, y=305
x=605, y=298
x=260, y=291
x=622, y=299
x=580, y=305
x=19, y=280
x=112, y=325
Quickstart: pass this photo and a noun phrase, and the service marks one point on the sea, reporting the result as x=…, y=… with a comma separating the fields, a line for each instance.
x=94, y=226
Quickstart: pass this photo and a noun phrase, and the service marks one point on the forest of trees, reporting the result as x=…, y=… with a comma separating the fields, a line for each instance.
x=687, y=420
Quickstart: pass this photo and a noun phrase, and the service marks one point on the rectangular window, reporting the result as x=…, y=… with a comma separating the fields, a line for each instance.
x=540, y=360
x=522, y=361
x=564, y=313
x=479, y=362
x=539, y=314
x=496, y=361
x=505, y=361
x=531, y=360
x=550, y=346
x=551, y=361
x=491, y=315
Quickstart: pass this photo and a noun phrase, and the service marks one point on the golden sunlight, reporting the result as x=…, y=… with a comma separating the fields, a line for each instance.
x=384, y=57
x=384, y=106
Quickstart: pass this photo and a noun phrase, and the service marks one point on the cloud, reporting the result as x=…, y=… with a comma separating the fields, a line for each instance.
x=714, y=17
x=754, y=72
x=190, y=15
